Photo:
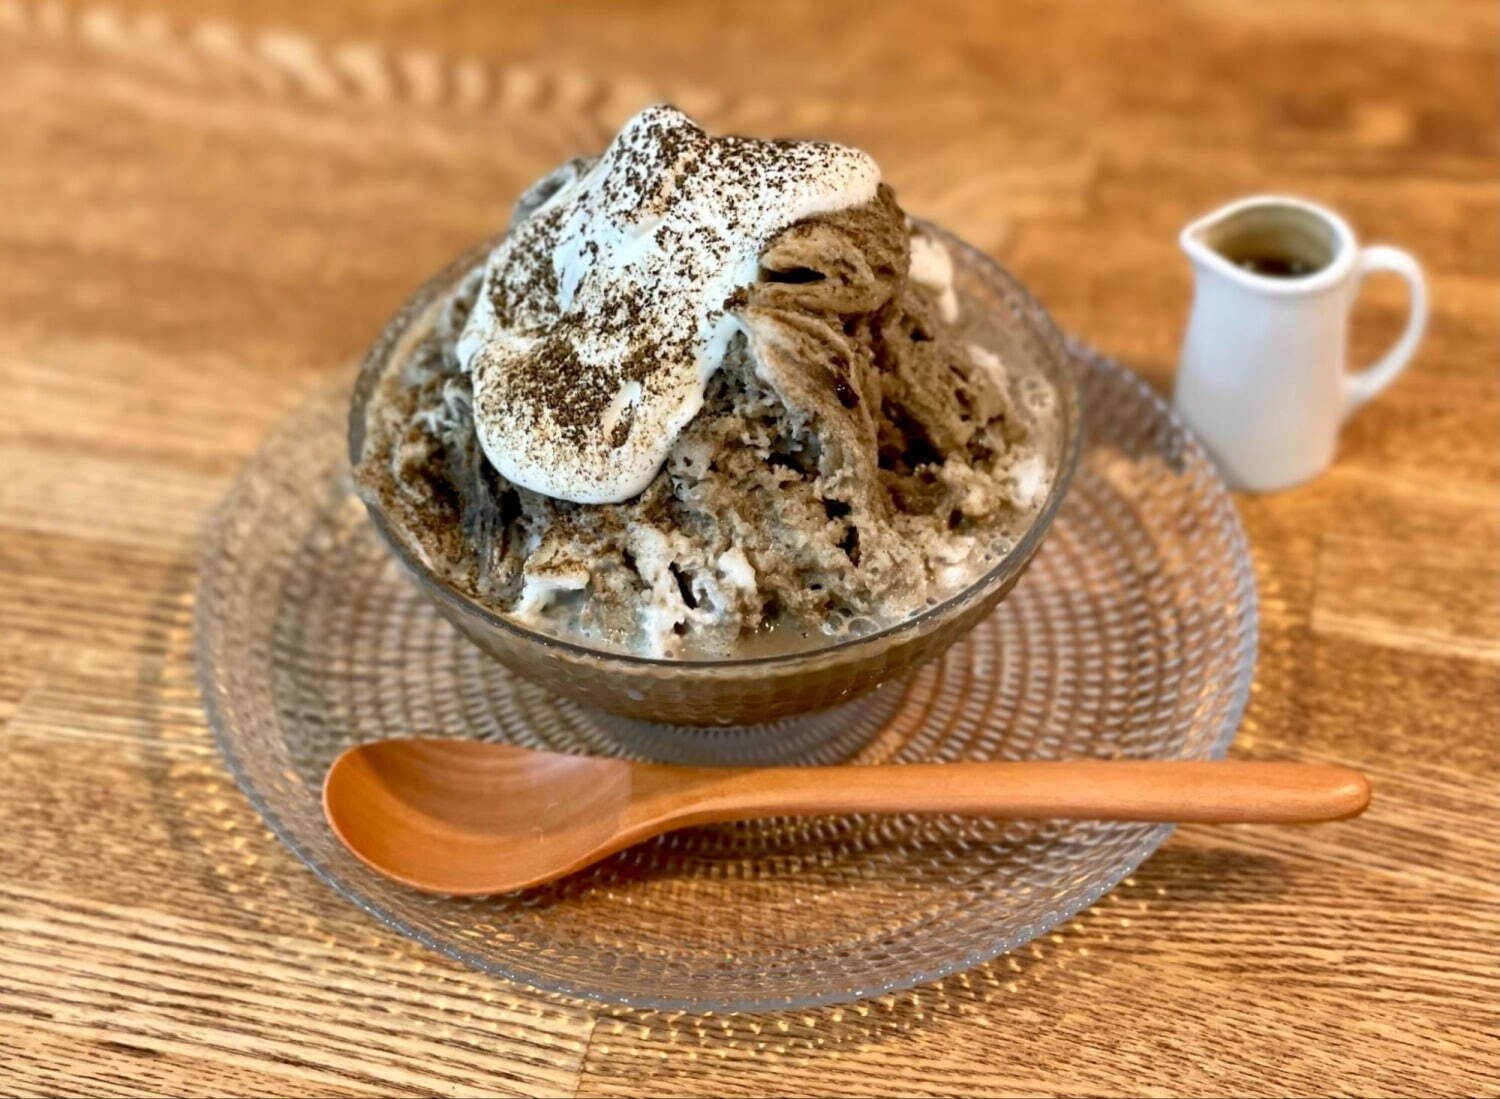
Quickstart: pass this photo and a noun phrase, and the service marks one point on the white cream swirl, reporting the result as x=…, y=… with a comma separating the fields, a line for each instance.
x=606, y=310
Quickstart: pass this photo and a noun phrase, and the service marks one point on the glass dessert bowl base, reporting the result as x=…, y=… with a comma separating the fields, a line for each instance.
x=835, y=735
x=1132, y=634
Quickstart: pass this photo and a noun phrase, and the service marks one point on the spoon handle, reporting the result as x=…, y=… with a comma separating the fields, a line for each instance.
x=1130, y=790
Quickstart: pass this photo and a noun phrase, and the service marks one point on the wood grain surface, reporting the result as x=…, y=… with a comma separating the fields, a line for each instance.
x=205, y=208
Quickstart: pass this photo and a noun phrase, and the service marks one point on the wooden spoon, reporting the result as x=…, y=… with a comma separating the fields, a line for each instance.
x=468, y=818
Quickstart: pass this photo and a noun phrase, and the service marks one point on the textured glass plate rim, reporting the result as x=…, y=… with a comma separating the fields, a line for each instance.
x=1248, y=623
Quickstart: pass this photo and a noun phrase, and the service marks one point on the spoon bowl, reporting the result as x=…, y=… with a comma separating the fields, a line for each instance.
x=470, y=818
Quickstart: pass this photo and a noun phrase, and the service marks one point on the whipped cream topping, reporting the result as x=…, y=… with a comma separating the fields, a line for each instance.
x=607, y=309
x=932, y=267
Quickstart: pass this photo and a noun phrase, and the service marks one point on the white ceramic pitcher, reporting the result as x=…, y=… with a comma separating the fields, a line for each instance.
x=1262, y=377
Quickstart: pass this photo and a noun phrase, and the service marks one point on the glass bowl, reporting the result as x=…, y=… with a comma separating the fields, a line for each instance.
x=728, y=692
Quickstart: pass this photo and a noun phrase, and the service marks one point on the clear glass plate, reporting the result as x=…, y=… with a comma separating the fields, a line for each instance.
x=1133, y=634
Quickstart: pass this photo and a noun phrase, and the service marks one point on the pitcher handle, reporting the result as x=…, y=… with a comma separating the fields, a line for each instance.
x=1361, y=386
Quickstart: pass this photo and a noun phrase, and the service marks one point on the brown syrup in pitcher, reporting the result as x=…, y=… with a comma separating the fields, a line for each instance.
x=1274, y=266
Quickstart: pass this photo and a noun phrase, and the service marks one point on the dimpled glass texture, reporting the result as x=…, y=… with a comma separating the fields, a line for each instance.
x=1131, y=635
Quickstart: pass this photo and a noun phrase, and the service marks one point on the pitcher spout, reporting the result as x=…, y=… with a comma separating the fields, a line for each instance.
x=1272, y=244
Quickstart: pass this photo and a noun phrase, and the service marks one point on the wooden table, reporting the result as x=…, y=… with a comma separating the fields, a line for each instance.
x=205, y=209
